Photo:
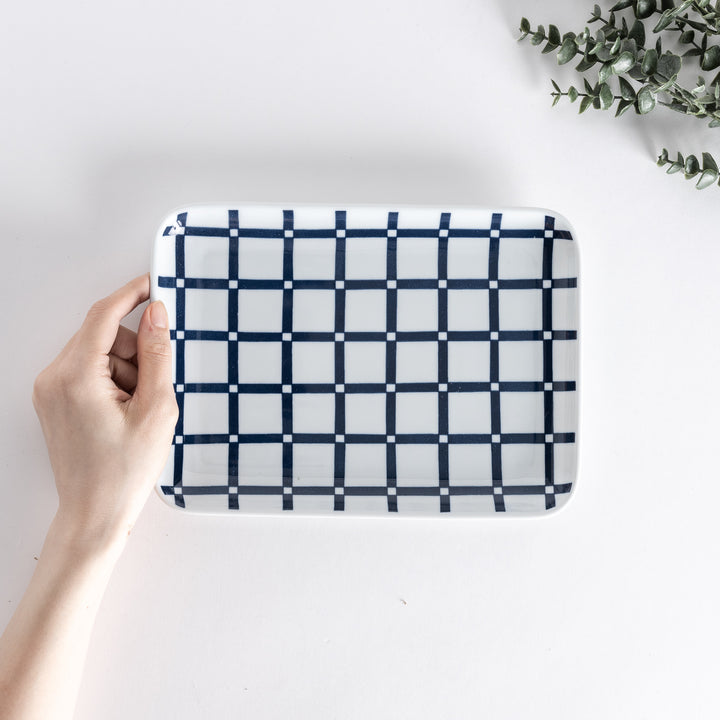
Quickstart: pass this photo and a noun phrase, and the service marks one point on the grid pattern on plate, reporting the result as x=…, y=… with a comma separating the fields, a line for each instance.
x=283, y=426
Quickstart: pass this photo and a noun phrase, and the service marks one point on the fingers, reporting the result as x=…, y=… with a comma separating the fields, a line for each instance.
x=125, y=345
x=100, y=328
x=154, y=391
x=123, y=373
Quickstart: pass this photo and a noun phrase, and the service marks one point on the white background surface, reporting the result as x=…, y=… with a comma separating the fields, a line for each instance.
x=113, y=113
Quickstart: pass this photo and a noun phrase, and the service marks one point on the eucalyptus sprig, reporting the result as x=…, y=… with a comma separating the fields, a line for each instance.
x=691, y=167
x=634, y=73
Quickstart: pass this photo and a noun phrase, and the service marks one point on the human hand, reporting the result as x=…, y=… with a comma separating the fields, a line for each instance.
x=108, y=411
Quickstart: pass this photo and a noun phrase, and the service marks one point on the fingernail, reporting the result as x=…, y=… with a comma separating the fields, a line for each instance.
x=158, y=315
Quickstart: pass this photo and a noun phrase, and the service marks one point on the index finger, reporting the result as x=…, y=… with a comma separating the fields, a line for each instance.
x=101, y=324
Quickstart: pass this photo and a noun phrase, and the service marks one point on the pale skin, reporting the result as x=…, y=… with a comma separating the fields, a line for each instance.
x=107, y=410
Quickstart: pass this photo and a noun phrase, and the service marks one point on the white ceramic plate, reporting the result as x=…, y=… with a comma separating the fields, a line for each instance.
x=370, y=360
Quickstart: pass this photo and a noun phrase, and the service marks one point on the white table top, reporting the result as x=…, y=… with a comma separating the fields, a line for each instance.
x=116, y=114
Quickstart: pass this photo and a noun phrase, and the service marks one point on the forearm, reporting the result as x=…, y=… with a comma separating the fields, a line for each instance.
x=43, y=648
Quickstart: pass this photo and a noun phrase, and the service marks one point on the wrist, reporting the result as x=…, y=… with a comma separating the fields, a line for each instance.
x=86, y=540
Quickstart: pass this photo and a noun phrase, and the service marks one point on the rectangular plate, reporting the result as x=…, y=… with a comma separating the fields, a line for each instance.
x=370, y=360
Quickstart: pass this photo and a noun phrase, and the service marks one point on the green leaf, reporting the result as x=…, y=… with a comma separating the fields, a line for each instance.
x=692, y=167
x=645, y=100
x=637, y=33
x=572, y=94
x=711, y=58
x=649, y=62
x=554, y=35
x=687, y=37
x=663, y=159
x=623, y=63
x=556, y=99
x=714, y=123
x=707, y=178
x=616, y=46
x=606, y=96
x=709, y=162
x=627, y=92
x=588, y=86
x=538, y=37
x=567, y=51
x=585, y=103
x=525, y=25
x=548, y=48
x=665, y=19
x=668, y=65
x=603, y=53
x=605, y=72
x=675, y=167
x=645, y=8
x=597, y=12
x=666, y=85
x=584, y=65
x=623, y=107
x=621, y=5
x=556, y=86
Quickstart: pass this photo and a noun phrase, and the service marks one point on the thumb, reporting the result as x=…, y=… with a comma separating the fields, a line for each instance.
x=154, y=360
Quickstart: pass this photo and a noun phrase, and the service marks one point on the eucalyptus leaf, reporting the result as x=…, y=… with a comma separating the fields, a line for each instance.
x=645, y=8
x=665, y=20
x=668, y=65
x=606, y=96
x=623, y=107
x=711, y=58
x=604, y=53
x=567, y=52
x=627, y=92
x=709, y=162
x=605, y=72
x=584, y=65
x=687, y=36
x=538, y=37
x=623, y=63
x=649, y=62
x=572, y=94
x=554, y=35
x=707, y=178
x=585, y=103
x=645, y=100
x=637, y=33
x=692, y=166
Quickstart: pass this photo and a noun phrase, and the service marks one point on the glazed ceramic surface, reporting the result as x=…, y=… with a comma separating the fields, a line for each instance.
x=370, y=360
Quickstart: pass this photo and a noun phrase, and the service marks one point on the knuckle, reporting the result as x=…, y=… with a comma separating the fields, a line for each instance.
x=163, y=411
x=158, y=351
x=97, y=309
x=39, y=388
